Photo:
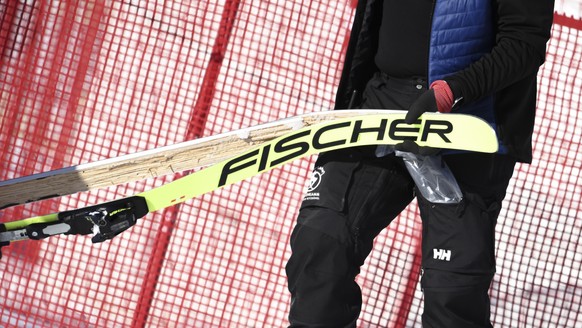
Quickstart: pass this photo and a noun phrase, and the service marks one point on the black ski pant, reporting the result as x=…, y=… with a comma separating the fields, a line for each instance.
x=354, y=195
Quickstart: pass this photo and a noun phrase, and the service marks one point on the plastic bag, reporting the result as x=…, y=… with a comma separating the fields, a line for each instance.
x=433, y=178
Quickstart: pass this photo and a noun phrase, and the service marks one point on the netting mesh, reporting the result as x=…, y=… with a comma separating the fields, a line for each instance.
x=82, y=81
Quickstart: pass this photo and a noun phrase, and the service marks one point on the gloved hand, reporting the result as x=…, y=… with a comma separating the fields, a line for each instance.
x=438, y=97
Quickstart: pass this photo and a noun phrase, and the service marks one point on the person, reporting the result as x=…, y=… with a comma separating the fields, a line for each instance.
x=478, y=57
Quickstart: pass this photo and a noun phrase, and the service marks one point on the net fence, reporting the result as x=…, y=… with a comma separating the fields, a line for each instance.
x=82, y=81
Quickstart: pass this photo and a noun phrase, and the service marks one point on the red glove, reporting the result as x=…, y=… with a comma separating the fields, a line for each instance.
x=443, y=96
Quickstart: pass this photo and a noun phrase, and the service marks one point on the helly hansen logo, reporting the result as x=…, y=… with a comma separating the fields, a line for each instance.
x=441, y=254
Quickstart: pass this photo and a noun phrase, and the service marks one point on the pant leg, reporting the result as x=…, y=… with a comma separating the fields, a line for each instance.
x=353, y=196
x=338, y=220
x=459, y=243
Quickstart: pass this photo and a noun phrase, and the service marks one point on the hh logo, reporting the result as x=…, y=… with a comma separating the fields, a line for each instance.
x=442, y=254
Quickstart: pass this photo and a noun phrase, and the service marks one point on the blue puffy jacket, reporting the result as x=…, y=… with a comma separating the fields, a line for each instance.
x=461, y=33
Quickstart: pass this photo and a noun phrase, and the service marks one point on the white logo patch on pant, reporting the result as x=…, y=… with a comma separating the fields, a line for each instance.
x=442, y=254
x=315, y=181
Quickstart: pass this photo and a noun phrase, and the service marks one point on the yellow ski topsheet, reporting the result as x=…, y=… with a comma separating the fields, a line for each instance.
x=450, y=131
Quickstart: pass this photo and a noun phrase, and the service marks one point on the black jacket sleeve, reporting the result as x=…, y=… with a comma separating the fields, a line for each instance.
x=359, y=66
x=522, y=31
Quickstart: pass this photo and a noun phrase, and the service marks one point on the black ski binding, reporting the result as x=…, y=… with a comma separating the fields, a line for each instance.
x=105, y=220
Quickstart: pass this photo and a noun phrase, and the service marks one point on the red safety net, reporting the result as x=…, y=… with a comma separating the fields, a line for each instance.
x=82, y=81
